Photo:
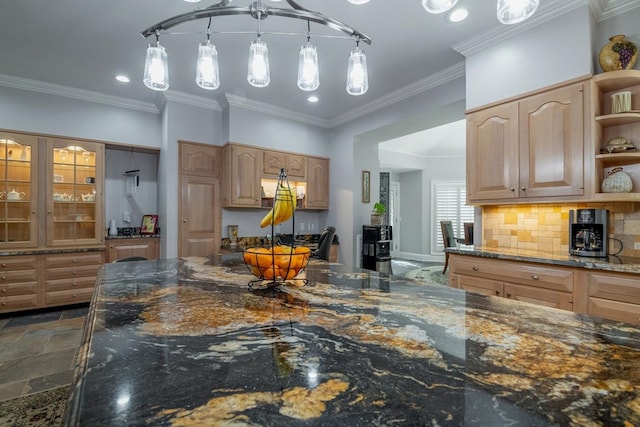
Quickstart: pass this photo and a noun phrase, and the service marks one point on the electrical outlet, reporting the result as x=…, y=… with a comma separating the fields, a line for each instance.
x=302, y=226
x=126, y=216
x=636, y=245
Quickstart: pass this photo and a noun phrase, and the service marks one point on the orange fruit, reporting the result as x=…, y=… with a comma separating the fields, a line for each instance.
x=256, y=271
x=271, y=272
x=289, y=274
x=302, y=250
x=283, y=261
x=247, y=257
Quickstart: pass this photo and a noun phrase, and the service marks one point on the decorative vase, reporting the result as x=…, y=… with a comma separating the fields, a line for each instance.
x=618, y=54
x=617, y=181
x=376, y=219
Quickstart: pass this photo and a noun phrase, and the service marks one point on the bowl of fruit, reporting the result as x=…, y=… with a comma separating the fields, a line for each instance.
x=276, y=263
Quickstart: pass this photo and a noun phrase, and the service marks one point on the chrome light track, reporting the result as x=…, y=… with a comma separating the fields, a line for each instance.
x=258, y=11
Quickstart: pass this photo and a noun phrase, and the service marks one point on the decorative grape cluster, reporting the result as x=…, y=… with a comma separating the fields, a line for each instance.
x=625, y=52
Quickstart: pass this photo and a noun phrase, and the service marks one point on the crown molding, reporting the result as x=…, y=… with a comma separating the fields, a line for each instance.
x=263, y=107
x=185, y=98
x=445, y=76
x=547, y=12
x=605, y=9
x=71, y=92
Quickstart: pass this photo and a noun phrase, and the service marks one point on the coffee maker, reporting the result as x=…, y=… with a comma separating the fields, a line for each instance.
x=588, y=232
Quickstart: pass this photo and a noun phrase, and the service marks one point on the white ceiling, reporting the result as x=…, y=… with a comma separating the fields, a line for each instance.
x=76, y=47
x=448, y=140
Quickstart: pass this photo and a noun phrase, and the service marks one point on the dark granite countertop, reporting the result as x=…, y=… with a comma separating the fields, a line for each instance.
x=185, y=342
x=611, y=263
x=133, y=236
x=50, y=251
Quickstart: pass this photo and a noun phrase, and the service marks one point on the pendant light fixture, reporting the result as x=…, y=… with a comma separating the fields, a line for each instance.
x=438, y=6
x=156, y=70
x=308, y=73
x=156, y=74
x=207, y=72
x=357, y=74
x=514, y=11
x=258, y=74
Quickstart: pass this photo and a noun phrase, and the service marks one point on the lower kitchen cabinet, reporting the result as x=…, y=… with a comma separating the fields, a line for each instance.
x=47, y=280
x=542, y=285
x=614, y=296
x=609, y=295
x=147, y=247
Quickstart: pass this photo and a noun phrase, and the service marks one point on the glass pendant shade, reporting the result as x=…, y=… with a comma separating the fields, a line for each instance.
x=156, y=69
x=358, y=1
x=514, y=11
x=207, y=71
x=258, y=71
x=438, y=6
x=308, y=74
x=357, y=78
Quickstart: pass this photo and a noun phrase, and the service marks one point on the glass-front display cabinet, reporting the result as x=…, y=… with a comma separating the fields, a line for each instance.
x=18, y=192
x=74, y=196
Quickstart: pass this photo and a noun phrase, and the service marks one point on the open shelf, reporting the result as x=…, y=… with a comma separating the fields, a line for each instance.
x=619, y=159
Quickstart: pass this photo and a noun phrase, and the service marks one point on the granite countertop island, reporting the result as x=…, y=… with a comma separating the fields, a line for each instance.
x=185, y=342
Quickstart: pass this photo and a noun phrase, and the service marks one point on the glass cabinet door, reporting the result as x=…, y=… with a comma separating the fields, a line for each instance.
x=18, y=191
x=75, y=192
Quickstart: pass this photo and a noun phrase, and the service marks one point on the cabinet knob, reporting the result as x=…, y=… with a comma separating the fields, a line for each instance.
x=512, y=189
x=4, y=265
x=184, y=221
x=508, y=294
x=523, y=188
x=3, y=303
x=498, y=293
x=4, y=277
x=4, y=291
x=535, y=277
x=475, y=269
x=74, y=261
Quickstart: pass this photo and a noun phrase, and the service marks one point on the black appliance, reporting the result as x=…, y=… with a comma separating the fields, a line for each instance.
x=376, y=247
x=588, y=232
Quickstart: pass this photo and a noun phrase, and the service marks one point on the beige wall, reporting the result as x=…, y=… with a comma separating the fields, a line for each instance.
x=545, y=227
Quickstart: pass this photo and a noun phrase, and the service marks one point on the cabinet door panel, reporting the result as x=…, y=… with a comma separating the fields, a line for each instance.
x=18, y=302
x=552, y=143
x=69, y=284
x=200, y=160
x=72, y=272
x=318, y=183
x=273, y=161
x=242, y=173
x=614, y=310
x=480, y=286
x=68, y=260
x=533, y=295
x=492, y=153
x=73, y=296
x=296, y=166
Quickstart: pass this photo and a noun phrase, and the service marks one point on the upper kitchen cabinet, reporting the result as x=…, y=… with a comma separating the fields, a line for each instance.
x=528, y=149
x=19, y=166
x=317, y=183
x=620, y=125
x=200, y=160
x=74, y=182
x=241, y=171
x=294, y=164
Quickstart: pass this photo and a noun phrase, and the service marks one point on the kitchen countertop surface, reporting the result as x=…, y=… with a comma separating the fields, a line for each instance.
x=611, y=263
x=186, y=342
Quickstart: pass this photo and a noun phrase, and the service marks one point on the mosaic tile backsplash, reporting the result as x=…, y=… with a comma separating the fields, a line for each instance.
x=545, y=227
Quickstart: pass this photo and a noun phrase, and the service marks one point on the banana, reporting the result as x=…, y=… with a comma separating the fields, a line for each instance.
x=283, y=206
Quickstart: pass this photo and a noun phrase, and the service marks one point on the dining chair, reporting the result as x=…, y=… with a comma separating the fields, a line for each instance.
x=448, y=240
x=324, y=243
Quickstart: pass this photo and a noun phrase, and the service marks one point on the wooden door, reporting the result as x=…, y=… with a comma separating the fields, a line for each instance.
x=492, y=153
x=552, y=143
x=200, y=212
x=317, y=183
x=199, y=216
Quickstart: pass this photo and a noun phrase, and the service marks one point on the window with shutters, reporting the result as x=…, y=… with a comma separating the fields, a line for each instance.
x=448, y=201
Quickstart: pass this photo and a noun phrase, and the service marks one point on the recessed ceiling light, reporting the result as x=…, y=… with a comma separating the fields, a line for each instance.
x=192, y=1
x=122, y=78
x=312, y=98
x=458, y=15
x=358, y=1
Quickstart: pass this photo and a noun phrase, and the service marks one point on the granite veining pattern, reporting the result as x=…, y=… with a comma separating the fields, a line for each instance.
x=184, y=342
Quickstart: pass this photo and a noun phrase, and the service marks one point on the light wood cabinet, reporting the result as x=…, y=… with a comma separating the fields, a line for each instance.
x=542, y=285
x=147, y=247
x=19, y=283
x=528, y=149
x=614, y=296
x=294, y=164
x=200, y=212
x=317, y=196
x=70, y=278
x=608, y=125
x=241, y=171
x=200, y=159
x=74, y=201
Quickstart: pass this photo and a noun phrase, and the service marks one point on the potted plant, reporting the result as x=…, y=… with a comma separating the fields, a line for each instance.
x=377, y=215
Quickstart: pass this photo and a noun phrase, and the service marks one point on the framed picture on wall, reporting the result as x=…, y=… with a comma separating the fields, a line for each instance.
x=149, y=224
x=366, y=186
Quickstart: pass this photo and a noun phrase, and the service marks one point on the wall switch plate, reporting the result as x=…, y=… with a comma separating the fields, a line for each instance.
x=636, y=245
x=126, y=216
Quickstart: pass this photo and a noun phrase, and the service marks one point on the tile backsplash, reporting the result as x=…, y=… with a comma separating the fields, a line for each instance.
x=545, y=227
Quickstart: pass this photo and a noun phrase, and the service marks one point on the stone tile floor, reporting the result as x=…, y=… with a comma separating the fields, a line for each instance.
x=38, y=349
